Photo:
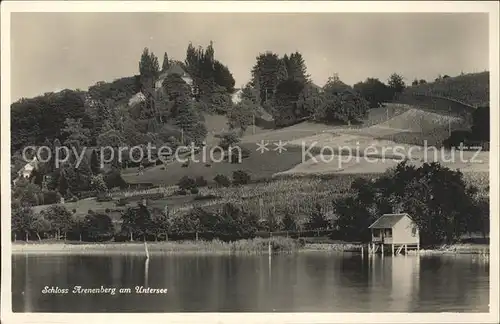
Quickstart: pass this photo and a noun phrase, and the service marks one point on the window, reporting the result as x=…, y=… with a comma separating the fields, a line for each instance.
x=414, y=231
x=388, y=232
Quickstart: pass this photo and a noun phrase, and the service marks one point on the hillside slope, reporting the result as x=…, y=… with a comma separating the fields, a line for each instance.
x=472, y=89
x=404, y=123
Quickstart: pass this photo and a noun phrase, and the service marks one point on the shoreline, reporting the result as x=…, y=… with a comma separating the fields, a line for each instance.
x=260, y=246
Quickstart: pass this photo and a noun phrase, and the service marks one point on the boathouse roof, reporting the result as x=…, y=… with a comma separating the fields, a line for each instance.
x=388, y=220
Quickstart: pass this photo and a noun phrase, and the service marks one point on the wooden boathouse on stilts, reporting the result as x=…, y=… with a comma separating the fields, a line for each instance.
x=397, y=233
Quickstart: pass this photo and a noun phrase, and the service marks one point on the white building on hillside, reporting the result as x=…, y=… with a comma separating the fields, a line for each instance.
x=174, y=69
x=236, y=96
x=26, y=171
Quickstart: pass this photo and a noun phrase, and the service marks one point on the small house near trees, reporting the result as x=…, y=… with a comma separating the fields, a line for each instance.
x=26, y=171
x=398, y=231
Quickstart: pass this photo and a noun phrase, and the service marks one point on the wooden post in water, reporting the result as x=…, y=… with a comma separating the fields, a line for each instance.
x=146, y=249
x=269, y=246
x=146, y=272
x=269, y=251
x=382, y=246
x=406, y=249
x=392, y=249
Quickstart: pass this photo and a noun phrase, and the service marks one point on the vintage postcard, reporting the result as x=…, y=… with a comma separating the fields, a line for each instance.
x=234, y=162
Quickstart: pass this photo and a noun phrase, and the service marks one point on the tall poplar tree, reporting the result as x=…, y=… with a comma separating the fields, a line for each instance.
x=166, y=63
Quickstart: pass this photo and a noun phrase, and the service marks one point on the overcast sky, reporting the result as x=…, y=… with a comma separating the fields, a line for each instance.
x=54, y=51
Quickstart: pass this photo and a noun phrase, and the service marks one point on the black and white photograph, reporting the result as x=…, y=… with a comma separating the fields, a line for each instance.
x=299, y=162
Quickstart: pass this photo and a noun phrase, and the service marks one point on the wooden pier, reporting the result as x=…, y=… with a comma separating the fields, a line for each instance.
x=395, y=249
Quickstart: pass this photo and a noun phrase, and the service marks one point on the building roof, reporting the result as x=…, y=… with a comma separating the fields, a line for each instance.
x=176, y=69
x=388, y=220
x=29, y=166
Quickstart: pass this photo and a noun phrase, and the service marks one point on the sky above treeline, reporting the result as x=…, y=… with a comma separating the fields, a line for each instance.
x=55, y=51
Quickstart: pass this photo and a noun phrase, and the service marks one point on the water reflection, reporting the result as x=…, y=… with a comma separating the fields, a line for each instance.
x=284, y=283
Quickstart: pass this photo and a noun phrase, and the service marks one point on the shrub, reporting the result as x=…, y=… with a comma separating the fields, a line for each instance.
x=222, y=180
x=98, y=227
x=51, y=197
x=98, y=184
x=114, y=179
x=241, y=177
x=122, y=237
x=194, y=191
x=456, y=138
x=245, y=152
x=185, y=164
x=227, y=140
x=182, y=192
x=186, y=183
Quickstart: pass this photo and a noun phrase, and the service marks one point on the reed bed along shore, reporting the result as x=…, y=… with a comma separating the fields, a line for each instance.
x=332, y=247
x=250, y=246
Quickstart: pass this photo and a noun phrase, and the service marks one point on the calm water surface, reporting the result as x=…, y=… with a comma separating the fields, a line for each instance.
x=304, y=282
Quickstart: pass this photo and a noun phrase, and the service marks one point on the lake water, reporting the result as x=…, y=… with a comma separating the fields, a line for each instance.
x=303, y=282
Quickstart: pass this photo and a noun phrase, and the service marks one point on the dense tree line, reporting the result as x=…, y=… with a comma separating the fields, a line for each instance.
x=472, y=89
x=230, y=222
x=437, y=198
x=34, y=120
x=441, y=204
x=479, y=133
x=282, y=87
